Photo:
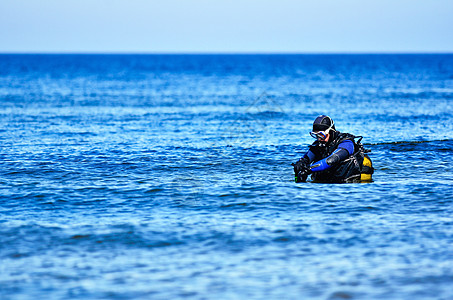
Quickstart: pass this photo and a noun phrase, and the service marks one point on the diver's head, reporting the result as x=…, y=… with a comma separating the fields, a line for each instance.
x=322, y=128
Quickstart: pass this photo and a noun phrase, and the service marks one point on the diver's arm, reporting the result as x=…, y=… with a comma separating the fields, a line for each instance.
x=306, y=159
x=304, y=162
x=344, y=150
x=309, y=156
x=302, y=166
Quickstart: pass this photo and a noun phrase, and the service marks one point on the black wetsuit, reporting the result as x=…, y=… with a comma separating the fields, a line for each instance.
x=331, y=163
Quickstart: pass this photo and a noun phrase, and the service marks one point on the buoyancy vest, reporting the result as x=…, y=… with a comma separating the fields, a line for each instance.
x=348, y=170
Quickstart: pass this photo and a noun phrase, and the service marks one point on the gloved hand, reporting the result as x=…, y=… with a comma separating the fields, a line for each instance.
x=302, y=170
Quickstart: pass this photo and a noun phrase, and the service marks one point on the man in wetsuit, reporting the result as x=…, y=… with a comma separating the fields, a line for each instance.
x=333, y=157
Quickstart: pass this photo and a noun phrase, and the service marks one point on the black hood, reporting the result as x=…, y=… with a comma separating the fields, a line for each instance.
x=323, y=123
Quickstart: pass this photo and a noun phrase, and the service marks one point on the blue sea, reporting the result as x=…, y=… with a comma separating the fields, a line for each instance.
x=170, y=177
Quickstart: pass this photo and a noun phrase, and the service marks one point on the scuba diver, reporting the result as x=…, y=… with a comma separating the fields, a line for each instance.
x=334, y=157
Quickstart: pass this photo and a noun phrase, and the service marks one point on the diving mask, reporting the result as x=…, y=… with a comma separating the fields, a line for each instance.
x=322, y=135
x=320, y=132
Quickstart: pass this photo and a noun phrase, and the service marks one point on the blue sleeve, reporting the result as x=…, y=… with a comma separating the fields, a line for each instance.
x=310, y=155
x=319, y=165
x=344, y=150
x=347, y=145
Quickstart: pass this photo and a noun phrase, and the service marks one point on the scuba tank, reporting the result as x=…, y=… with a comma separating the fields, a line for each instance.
x=362, y=163
x=366, y=166
x=367, y=169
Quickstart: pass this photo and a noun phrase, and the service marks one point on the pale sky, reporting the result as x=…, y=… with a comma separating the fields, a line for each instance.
x=226, y=26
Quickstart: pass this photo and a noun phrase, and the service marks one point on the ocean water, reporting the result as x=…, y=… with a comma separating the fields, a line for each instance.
x=170, y=177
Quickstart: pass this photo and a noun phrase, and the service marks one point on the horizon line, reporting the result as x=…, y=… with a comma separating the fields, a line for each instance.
x=226, y=53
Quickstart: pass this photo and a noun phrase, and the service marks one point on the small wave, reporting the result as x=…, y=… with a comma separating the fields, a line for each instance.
x=232, y=205
x=407, y=142
x=404, y=146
